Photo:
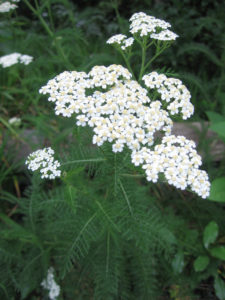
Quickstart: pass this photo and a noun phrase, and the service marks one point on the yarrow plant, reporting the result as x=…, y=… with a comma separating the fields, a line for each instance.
x=122, y=40
x=8, y=5
x=144, y=25
x=43, y=160
x=14, y=121
x=15, y=58
x=134, y=115
x=50, y=284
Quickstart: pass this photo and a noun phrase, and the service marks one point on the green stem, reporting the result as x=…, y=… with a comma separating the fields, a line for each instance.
x=126, y=198
x=68, y=5
x=149, y=45
x=124, y=160
x=115, y=174
x=50, y=15
x=9, y=127
x=59, y=48
x=31, y=213
x=115, y=6
x=222, y=76
x=143, y=57
x=13, y=131
x=38, y=14
x=127, y=63
x=158, y=52
x=12, y=27
x=61, y=51
x=107, y=217
x=81, y=232
x=83, y=161
x=133, y=176
x=107, y=257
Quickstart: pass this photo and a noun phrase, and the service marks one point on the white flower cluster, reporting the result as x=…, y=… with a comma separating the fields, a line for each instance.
x=173, y=92
x=121, y=40
x=165, y=35
x=145, y=25
x=178, y=160
x=120, y=111
x=15, y=121
x=7, y=6
x=44, y=161
x=50, y=284
x=14, y=58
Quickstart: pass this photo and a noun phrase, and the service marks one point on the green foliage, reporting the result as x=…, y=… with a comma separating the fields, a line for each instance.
x=217, y=192
x=219, y=128
x=218, y=252
x=210, y=233
x=107, y=233
x=201, y=263
x=214, y=117
x=178, y=262
x=219, y=288
x=118, y=241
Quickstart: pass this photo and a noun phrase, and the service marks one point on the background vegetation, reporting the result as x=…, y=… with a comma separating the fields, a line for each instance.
x=170, y=244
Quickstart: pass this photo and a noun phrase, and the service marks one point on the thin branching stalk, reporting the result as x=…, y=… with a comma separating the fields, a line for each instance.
x=127, y=63
x=37, y=12
x=126, y=197
x=83, y=161
x=107, y=216
x=143, y=57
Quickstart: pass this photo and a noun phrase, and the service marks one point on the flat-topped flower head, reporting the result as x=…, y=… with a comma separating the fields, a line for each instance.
x=14, y=121
x=144, y=25
x=164, y=35
x=25, y=59
x=172, y=91
x=121, y=113
x=127, y=43
x=116, y=39
x=14, y=58
x=178, y=160
x=121, y=40
x=43, y=160
x=69, y=90
x=7, y=6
